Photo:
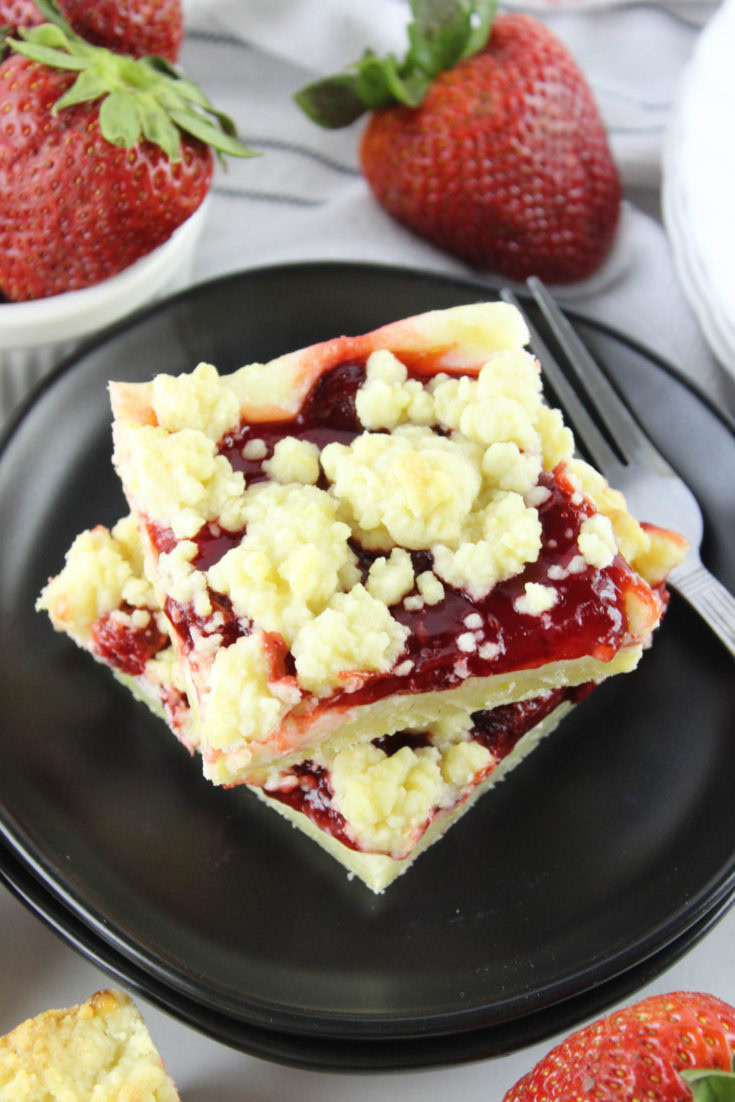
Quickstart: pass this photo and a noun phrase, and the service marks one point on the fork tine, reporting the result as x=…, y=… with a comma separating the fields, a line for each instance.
x=627, y=433
x=584, y=427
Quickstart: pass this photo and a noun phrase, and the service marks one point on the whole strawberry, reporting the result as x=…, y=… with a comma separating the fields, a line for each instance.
x=667, y=1048
x=495, y=150
x=134, y=27
x=101, y=159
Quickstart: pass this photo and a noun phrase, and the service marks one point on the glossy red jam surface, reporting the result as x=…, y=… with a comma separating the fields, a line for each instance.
x=587, y=618
x=124, y=647
x=308, y=788
x=327, y=415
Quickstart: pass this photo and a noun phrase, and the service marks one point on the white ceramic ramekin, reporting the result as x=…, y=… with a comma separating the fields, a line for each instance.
x=34, y=336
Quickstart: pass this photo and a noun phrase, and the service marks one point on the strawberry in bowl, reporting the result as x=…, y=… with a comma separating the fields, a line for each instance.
x=134, y=27
x=102, y=158
x=106, y=162
x=485, y=139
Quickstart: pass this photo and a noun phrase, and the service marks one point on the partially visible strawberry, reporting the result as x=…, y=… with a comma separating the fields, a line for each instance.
x=667, y=1048
x=134, y=27
x=101, y=159
x=490, y=147
x=19, y=13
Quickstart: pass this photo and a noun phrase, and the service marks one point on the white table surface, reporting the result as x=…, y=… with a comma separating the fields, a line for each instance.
x=38, y=970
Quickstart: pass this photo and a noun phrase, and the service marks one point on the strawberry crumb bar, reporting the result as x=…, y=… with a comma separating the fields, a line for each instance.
x=99, y=1050
x=375, y=533
x=374, y=806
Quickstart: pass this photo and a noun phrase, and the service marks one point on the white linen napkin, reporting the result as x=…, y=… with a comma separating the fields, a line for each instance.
x=305, y=198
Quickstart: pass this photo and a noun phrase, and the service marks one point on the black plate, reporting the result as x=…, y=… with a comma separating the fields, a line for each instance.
x=331, y=1053
x=611, y=842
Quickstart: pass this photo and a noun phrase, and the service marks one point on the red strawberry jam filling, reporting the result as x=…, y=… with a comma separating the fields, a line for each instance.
x=127, y=648
x=327, y=415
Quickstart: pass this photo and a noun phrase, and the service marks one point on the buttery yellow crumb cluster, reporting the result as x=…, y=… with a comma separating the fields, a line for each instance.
x=103, y=576
x=103, y=572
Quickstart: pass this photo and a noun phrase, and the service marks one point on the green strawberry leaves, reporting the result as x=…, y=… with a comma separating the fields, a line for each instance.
x=145, y=98
x=89, y=85
x=121, y=121
x=708, y=1085
x=441, y=34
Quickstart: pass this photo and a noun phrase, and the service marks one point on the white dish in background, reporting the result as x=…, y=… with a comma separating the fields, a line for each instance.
x=36, y=335
x=698, y=174
x=693, y=274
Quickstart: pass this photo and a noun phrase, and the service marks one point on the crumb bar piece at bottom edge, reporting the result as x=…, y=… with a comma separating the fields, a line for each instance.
x=101, y=1049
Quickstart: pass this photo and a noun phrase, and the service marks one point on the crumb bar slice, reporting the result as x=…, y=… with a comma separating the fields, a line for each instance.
x=372, y=533
x=374, y=806
x=99, y=1050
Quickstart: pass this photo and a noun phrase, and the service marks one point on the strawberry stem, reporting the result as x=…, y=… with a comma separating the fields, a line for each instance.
x=442, y=33
x=147, y=96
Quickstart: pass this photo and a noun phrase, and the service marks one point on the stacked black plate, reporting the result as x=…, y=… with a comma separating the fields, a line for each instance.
x=603, y=857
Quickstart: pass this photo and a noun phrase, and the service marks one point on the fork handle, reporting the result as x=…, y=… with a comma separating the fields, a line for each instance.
x=714, y=603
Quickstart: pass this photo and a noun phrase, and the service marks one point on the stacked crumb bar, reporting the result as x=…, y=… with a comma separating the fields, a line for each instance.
x=363, y=579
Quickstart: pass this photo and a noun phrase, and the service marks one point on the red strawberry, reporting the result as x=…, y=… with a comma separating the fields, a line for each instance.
x=19, y=13
x=501, y=157
x=647, y=1052
x=98, y=166
x=134, y=27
